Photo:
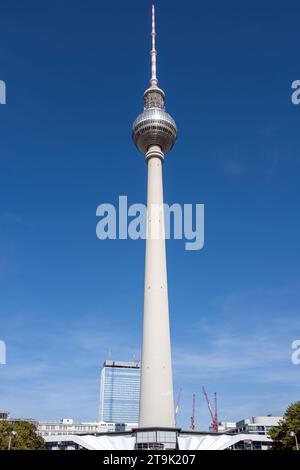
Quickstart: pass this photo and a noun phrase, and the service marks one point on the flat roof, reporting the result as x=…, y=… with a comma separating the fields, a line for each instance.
x=128, y=365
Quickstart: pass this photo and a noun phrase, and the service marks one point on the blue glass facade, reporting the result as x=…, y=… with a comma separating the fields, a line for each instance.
x=120, y=392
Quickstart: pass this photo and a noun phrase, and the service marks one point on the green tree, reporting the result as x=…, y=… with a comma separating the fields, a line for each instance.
x=290, y=423
x=20, y=435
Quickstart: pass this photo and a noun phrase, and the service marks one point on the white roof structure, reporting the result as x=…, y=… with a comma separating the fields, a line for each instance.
x=185, y=441
x=217, y=442
x=125, y=442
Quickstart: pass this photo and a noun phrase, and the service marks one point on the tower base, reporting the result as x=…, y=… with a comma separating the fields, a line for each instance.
x=156, y=438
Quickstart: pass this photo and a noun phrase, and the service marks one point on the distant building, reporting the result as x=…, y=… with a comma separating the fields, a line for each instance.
x=67, y=427
x=4, y=415
x=257, y=425
x=225, y=426
x=120, y=392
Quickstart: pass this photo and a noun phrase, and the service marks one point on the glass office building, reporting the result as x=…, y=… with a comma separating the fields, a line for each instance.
x=120, y=392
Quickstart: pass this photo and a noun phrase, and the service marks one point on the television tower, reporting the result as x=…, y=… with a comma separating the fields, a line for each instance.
x=154, y=133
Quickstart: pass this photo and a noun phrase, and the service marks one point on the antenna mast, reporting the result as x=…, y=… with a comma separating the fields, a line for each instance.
x=153, y=81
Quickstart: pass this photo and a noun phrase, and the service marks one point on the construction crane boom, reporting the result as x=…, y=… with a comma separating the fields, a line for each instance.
x=177, y=404
x=213, y=412
x=193, y=424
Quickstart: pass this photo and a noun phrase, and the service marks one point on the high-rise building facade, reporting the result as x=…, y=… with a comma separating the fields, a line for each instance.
x=120, y=392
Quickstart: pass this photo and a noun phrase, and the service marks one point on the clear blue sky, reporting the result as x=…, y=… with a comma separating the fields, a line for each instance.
x=75, y=74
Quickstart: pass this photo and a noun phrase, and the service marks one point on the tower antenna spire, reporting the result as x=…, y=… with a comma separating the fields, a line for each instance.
x=153, y=80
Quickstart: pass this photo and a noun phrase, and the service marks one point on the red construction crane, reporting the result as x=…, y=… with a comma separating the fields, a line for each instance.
x=213, y=412
x=193, y=425
x=177, y=405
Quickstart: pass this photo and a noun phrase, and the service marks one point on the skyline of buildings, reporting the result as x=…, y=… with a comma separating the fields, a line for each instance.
x=120, y=389
x=117, y=402
x=257, y=425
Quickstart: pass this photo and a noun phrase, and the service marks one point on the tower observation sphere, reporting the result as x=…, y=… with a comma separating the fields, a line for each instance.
x=154, y=126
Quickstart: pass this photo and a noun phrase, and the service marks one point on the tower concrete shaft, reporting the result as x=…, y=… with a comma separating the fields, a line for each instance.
x=156, y=401
x=154, y=133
